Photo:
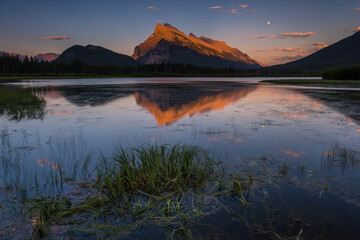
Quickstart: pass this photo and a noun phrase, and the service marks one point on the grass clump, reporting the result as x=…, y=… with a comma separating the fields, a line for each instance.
x=156, y=170
x=18, y=104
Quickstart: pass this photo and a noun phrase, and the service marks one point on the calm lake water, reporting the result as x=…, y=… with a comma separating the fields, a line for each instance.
x=313, y=131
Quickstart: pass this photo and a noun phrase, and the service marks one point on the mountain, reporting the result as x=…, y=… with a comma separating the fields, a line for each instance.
x=168, y=44
x=344, y=52
x=47, y=57
x=3, y=53
x=94, y=55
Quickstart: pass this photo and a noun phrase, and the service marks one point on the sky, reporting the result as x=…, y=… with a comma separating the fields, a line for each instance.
x=270, y=31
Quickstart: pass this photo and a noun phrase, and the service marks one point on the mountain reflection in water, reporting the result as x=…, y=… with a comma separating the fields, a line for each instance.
x=170, y=105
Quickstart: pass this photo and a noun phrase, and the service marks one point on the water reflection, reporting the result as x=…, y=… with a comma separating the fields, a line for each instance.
x=340, y=158
x=169, y=104
x=19, y=104
x=252, y=127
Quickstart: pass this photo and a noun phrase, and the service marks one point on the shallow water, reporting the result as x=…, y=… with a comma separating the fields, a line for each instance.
x=240, y=121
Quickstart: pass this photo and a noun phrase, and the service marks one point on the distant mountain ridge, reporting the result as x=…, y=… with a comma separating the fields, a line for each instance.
x=41, y=57
x=95, y=55
x=168, y=44
x=47, y=56
x=341, y=53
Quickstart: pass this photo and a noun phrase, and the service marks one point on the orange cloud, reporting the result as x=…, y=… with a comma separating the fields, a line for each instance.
x=295, y=49
x=215, y=7
x=243, y=5
x=320, y=45
x=357, y=9
x=289, y=57
x=234, y=11
x=261, y=36
x=296, y=35
x=159, y=21
x=55, y=37
x=356, y=29
x=95, y=22
x=153, y=8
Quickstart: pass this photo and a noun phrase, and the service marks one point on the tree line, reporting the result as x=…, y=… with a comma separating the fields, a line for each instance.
x=10, y=65
x=342, y=73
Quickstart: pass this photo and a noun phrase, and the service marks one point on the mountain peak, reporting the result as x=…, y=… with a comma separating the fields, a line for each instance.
x=156, y=49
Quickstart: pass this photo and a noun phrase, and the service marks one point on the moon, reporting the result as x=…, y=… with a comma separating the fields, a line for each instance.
x=268, y=22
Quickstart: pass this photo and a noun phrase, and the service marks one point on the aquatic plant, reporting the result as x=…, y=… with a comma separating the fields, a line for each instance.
x=18, y=104
x=146, y=186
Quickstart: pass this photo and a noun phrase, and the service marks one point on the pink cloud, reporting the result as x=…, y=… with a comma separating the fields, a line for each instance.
x=261, y=36
x=357, y=9
x=296, y=34
x=55, y=37
x=243, y=5
x=159, y=21
x=295, y=49
x=95, y=22
x=320, y=45
x=215, y=7
x=234, y=11
x=290, y=57
x=356, y=29
x=153, y=8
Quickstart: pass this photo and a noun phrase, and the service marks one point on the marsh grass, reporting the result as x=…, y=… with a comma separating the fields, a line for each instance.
x=340, y=158
x=18, y=104
x=144, y=187
x=156, y=170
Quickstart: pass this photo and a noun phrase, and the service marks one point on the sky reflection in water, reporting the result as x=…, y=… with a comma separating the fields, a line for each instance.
x=235, y=120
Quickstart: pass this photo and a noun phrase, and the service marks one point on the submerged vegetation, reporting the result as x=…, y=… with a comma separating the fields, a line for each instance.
x=17, y=104
x=153, y=187
x=342, y=73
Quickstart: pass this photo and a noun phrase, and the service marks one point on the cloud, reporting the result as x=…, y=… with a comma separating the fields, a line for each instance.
x=295, y=49
x=215, y=7
x=234, y=11
x=55, y=37
x=356, y=29
x=290, y=57
x=262, y=50
x=357, y=9
x=95, y=22
x=243, y=5
x=153, y=8
x=320, y=45
x=159, y=21
x=296, y=35
x=261, y=36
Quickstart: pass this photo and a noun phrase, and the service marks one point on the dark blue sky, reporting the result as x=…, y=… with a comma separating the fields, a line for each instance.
x=271, y=31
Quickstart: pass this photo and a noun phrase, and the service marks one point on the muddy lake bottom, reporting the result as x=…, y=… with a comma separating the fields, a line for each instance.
x=284, y=160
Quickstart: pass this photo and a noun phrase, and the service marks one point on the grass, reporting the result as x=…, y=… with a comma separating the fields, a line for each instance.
x=156, y=170
x=313, y=82
x=17, y=104
x=143, y=187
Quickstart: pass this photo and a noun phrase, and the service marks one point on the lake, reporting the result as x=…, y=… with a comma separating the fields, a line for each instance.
x=301, y=144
